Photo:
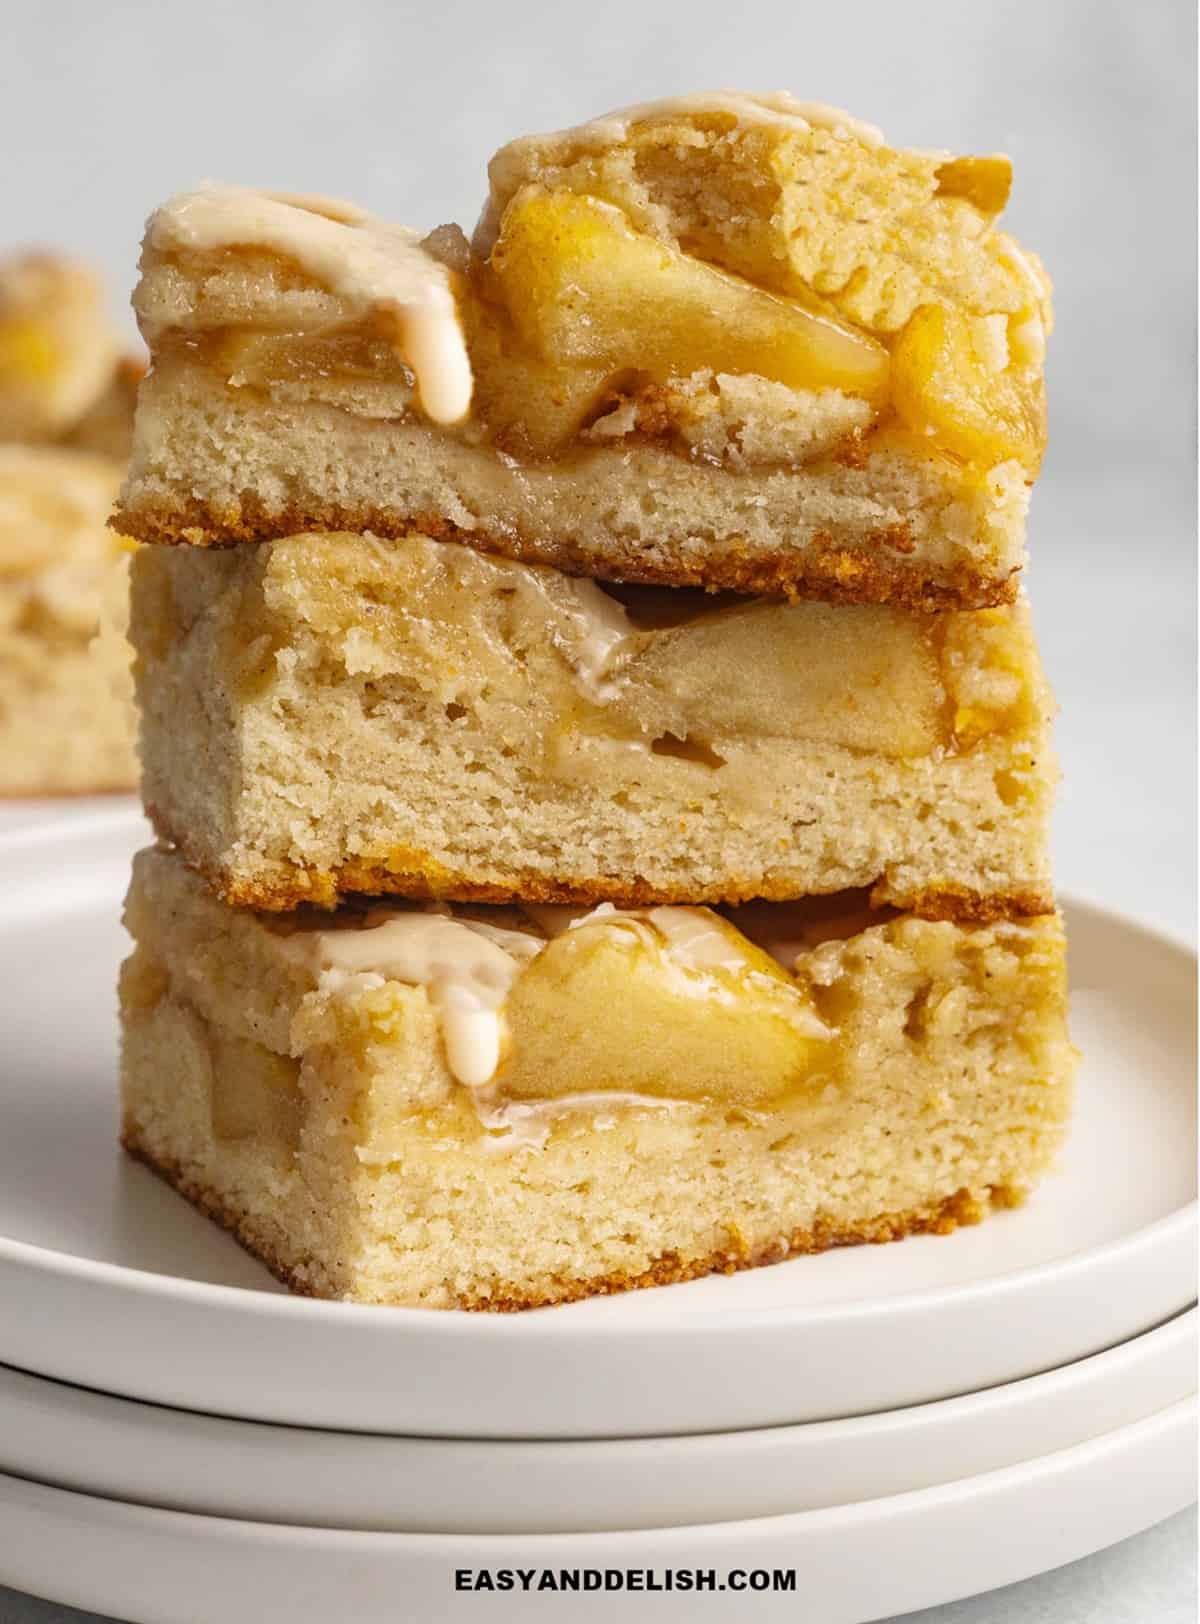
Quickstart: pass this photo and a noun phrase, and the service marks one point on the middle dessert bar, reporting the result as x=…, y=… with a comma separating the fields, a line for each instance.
x=332, y=714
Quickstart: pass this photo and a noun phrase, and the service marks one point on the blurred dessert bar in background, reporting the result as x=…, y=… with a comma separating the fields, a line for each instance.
x=65, y=374
x=67, y=396
x=66, y=713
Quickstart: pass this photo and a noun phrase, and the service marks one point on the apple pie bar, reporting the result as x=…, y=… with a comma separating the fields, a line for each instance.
x=66, y=714
x=64, y=376
x=332, y=714
x=729, y=341
x=495, y=1108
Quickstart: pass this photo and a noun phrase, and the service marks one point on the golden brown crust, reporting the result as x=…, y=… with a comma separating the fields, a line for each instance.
x=211, y=1205
x=876, y=572
x=406, y=872
x=938, y=1218
x=962, y=907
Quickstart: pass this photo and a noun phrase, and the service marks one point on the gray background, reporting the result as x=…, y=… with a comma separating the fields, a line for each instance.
x=105, y=109
x=398, y=106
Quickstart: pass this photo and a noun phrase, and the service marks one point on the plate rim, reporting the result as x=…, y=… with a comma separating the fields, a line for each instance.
x=1161, y=1338
x=27, y=1255
x=1169, y=1415
x=910, y=1527
x=395, y=1483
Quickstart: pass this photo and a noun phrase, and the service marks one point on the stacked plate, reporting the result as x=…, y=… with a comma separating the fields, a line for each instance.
x=884, y=1428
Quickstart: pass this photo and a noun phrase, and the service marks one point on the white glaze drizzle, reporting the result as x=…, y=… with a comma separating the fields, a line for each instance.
x=748, y=107
x=372, y=265
x=526, y=1124
x=467, y=966
x=695, y=938
x=605, y=636
x=696, y=941
x=509, y=168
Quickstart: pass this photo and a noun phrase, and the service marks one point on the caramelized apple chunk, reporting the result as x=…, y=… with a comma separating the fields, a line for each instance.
x=675, y=1003
x=582, y=287
x=529, y=406
x=983, y=182
x=250, y=356
x=992, y=685
x=800, y=656
x=961, y=380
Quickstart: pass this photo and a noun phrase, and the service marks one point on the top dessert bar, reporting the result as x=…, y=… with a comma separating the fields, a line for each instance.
x=728, y=341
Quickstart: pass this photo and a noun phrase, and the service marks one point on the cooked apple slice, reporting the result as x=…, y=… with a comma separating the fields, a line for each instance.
x=530, y=406
x=685, y=1008
x=583, y=287
x=865, y=678
x=263, y=358
x=984, y=182
x=953, y=378
x=255, y=1093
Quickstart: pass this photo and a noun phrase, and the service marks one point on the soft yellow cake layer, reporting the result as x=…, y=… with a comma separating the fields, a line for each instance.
x=895, y=521
x=669, y=1099
x=66, y=717
x=339, y=713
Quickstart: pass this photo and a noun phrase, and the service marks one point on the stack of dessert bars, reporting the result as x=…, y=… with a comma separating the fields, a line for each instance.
x=596, y=742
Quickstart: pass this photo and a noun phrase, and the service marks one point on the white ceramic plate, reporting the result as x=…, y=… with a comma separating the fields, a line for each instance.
x=118, y=1449
x=851, y=1564
x=111, y=1281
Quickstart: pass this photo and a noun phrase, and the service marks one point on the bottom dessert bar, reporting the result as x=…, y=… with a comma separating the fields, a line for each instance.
x=499, y=1108
x=66, y=712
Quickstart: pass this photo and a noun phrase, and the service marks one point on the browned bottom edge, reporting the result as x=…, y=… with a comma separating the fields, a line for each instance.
x=962, y=907
x=938, y=1218
x=408, y=873
x=870, y=572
